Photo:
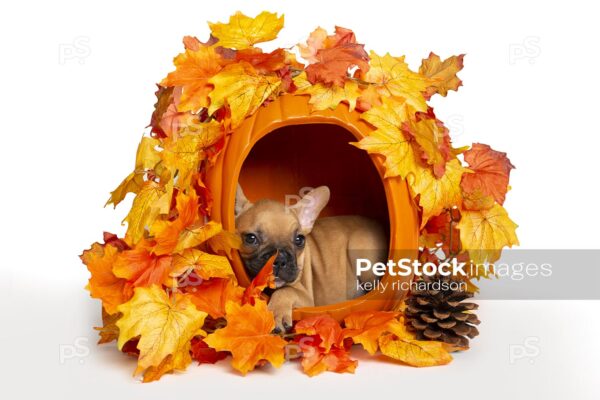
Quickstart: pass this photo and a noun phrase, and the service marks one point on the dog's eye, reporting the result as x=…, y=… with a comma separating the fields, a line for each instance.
x=299, y=240
x=250, y=239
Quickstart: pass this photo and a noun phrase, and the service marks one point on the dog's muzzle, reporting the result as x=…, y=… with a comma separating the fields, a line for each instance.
x=285, y=268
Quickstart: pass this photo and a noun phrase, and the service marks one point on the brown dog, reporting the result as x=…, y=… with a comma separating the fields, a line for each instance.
x=316, y=259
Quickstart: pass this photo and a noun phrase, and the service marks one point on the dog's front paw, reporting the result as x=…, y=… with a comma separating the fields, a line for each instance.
x=283, y=319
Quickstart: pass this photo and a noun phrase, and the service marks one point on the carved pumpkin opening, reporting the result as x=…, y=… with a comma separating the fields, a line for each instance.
x=301, y=156
x=283, y=147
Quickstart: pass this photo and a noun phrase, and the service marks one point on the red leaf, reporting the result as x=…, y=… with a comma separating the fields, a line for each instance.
x=204, y=354
x=491, y=172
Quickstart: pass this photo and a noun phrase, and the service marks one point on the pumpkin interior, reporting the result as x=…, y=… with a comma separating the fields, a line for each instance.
x=311, y=155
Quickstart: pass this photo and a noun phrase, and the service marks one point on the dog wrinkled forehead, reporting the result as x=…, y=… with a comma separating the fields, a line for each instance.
x=268, y=216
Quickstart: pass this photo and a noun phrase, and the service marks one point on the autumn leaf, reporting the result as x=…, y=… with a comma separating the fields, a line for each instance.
x=433, y=141
x=243, y=32
x=314, y=43
x=141, y=267
x=328, y=96
x=388, y=140
x=109, y=331
x=205, y=265
x=369, y=98
x=402, y=346
x=224, y=243
x=248, y=337
x=333, y=64
x=262, y=280
x=476, y=199
x=146, y=158
x=165, y=327
x=165, y=233
x=243, y=89
x=437, y=232
x=212, y=295
x=484, y=233
x=263, y=63
x=393, y=78
x=204, y=354
x=315, y=359
x=418, y=353
x=103, y=284
x=196, y=234
x=442, y=73
x=182, y=155
x=332, y=56
x=438, y=194
x=193, y=70
x=365, y=327
x=491, y=172
x=326, y=328
x=152, y=200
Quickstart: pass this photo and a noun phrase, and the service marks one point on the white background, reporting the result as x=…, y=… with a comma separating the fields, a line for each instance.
x=70, y=127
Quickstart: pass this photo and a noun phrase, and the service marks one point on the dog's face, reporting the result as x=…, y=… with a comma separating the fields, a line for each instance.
x=268, y=227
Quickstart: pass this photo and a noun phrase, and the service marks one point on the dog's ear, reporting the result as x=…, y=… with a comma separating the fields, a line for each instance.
x=241, y=202
x=310, y=206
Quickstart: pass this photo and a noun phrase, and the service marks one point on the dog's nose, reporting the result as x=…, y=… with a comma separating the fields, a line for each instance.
x=280, y=262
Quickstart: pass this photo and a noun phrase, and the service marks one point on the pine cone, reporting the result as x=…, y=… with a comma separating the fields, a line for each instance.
x=440, y=314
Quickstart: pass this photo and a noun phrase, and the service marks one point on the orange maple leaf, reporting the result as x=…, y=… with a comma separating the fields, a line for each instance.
x=333, y=55
x=326, y=328
x=193, y=70
x=248, y=337
x=316, y=360
x=491, y=172
x=365, y=327
x=104, y=284
x=166, y=233
x=211, y=296
x=262, y=62
x=141, y=267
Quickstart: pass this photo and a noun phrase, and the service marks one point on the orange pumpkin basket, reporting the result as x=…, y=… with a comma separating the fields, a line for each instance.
x=284, y=147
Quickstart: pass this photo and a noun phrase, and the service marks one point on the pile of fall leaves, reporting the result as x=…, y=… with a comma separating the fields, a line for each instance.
x=168, y=291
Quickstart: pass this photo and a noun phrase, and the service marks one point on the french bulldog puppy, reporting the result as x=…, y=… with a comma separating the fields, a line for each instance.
x=316, y=258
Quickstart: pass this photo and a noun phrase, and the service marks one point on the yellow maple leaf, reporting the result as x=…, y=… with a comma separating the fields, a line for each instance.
x=165, y=328
x=483, y=233
x=367, y=326
x=402, y=346
x=429, y=134
x=205, y=265
x=147, y=157
x=196, y=234
x=328, y=96
x=388, y=140
x=393, y=78
x=248, y=336
x=443, y=73
x=152, y=200
x=438, y=194
x=224, y=242
x=182, y=155
x=242, y=32
x=243, y=89
x=193, y=70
